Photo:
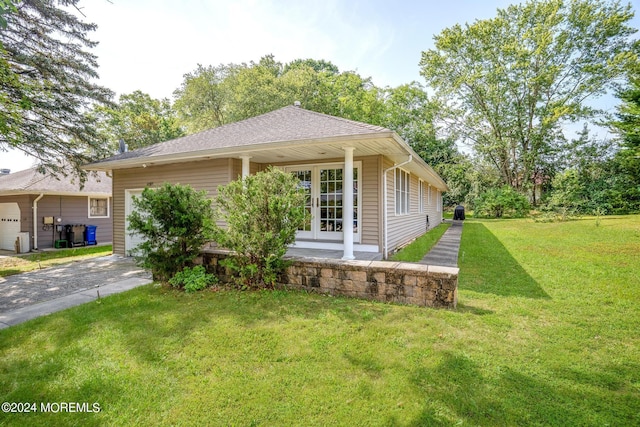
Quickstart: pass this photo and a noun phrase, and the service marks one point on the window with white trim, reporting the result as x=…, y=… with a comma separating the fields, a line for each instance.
x=421, y=196
x=402, y=192
x=429, y=195
x=98, y=207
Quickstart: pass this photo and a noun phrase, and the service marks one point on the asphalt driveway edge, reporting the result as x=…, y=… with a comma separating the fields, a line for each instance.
x=82, y=296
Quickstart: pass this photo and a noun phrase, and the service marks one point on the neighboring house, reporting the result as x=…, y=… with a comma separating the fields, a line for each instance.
x=30, y=200
x=321, y=151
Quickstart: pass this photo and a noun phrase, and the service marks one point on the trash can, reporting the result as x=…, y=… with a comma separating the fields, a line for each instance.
x=458, y=213
x=90, y=235
x=75, y=234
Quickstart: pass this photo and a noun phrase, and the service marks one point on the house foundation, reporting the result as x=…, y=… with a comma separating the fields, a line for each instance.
x=397, y=282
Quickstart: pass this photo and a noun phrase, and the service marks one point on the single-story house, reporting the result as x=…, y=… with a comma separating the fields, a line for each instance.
x=32, y=204
x=348, y=169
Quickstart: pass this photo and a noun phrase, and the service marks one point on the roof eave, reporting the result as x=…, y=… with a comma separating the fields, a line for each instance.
x=227, y=151
x=419, y=161
x=54, y=193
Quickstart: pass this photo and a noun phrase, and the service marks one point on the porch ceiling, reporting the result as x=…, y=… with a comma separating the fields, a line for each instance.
x=320, y=151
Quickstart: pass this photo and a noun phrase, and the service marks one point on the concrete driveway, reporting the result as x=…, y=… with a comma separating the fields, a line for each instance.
x=76, y=282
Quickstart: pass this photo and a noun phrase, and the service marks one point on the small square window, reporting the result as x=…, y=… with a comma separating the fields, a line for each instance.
x=98, y=207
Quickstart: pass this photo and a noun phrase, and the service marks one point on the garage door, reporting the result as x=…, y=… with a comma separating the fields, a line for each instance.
x=9, y=225
x=131, y=241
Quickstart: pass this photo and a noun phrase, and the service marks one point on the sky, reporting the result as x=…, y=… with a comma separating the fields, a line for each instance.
x=149, y=45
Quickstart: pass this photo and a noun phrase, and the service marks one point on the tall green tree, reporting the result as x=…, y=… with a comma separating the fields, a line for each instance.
x=626, y=125
x=511, y=82
x=139, y=120
x=213, y=96
x=203, y=99
x=627, y=122
x=46, y=84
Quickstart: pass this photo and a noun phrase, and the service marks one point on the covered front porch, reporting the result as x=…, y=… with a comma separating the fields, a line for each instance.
x=332, y=254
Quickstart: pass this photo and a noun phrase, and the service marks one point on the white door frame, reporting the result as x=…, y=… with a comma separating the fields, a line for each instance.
x=316, y=232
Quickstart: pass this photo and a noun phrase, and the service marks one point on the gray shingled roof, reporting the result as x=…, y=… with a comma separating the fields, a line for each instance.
x=32, y=181
x=285, y=124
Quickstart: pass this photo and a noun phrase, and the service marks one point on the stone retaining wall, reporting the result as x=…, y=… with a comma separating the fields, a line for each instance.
x=405, y=283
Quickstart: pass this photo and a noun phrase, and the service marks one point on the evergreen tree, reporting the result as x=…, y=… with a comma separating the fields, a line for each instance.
x=45, y=84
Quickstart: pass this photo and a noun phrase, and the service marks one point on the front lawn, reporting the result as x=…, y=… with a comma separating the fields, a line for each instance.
x=546, y=333
x=21, y=264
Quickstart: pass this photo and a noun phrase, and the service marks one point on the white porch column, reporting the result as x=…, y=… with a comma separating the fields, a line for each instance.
x=347, y=203
x=245, y=165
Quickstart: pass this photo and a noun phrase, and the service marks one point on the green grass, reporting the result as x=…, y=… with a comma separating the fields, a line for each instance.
x=417, y=249
x=546, y=333
x=21, y=264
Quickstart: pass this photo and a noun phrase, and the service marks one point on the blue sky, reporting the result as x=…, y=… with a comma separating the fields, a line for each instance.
x=150, y=44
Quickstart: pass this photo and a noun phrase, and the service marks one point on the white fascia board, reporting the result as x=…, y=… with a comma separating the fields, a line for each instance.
x=57, y=193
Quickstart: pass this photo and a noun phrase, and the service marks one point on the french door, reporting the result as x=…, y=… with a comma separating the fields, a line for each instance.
x=323, y=185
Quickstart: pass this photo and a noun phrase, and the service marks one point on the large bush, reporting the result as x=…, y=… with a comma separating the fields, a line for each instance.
x=499, y=202
x=262, y=213
x=175, y=221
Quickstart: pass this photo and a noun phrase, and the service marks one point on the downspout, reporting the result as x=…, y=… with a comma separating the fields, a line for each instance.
x=35, y=221
x=385, y=207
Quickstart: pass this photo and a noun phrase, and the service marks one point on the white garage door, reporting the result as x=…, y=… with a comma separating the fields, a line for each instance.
x=130, y=241
x=9, y=225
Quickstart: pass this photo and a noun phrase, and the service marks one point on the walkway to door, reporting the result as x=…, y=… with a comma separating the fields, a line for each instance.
x=445, y=252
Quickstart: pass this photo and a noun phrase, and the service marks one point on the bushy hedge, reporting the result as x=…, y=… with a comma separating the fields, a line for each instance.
x=262, y=213
x=501, y=202
x=174, y=221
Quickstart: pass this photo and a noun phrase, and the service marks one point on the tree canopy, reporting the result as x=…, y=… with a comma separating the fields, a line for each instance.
x=45, y=84
x=139, y=120
x=215, y=95
x=511, y=82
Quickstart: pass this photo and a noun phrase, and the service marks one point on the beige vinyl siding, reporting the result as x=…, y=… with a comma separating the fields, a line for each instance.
x=370, y=215
x=404, y=228
x=430, y=209
x=236, y=169
x=201, y=175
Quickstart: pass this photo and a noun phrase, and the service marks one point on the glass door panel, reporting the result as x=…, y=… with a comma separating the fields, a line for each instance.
x=330, y=203
x=323, y=187
x=305, y=177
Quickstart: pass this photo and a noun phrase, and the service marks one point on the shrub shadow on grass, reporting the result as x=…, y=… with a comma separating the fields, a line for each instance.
x=487, y=266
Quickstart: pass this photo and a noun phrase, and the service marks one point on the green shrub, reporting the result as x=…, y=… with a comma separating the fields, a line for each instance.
x=175, y=221
x=499, y=202
x=262, y=213
x=193, y=279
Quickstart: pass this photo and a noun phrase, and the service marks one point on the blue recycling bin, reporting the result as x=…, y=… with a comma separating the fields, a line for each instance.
x=90, y=235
